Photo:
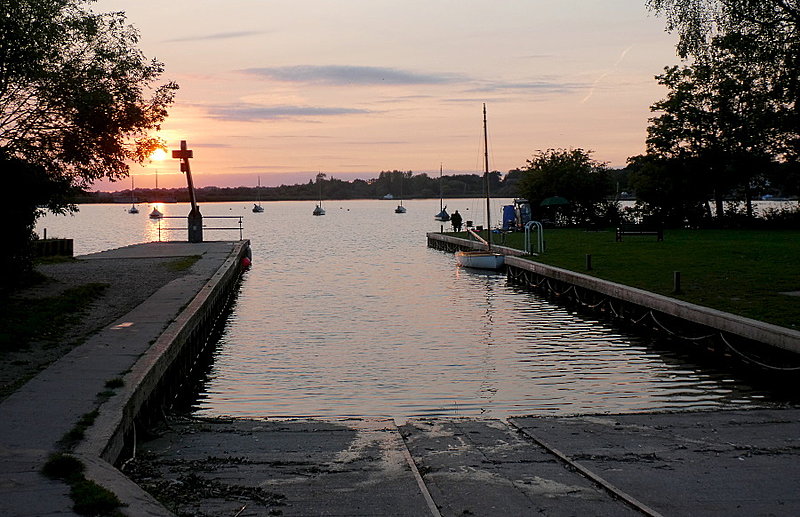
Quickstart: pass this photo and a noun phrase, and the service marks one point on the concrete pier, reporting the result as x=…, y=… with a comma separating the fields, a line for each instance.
x=530, y=273
x=38, y=415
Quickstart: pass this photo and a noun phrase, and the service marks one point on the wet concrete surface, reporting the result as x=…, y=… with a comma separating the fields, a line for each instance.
x=701, y=463
x=279, y=467
x=708, y=463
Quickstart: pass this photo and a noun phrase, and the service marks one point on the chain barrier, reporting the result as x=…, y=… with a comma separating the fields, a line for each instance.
x=617, y=315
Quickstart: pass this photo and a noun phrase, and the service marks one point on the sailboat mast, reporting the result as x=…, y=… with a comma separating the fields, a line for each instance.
x=441, y=193
x=486, y=178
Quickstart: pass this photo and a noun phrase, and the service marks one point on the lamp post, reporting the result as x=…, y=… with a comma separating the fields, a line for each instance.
x=195, y=219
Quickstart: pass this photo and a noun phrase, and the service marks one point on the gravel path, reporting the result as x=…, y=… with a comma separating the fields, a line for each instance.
x=130, y=282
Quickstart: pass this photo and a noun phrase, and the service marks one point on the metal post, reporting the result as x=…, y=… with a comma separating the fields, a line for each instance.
x=676, y=282
x=195, y=219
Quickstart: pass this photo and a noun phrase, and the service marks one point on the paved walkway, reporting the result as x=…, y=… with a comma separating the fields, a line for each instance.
x=38, y=415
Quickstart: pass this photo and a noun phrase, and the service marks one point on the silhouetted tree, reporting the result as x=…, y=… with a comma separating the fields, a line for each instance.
x=718, y=119
x=772, y=30
x=571, y=174
x=76, y=97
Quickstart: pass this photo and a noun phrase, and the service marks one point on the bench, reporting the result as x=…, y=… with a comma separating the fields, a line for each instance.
x=639, y=229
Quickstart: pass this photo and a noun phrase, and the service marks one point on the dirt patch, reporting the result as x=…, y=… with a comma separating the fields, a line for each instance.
x=129, y=283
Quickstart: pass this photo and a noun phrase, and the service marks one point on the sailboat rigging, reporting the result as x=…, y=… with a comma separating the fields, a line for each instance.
x=400, y=208
x=483, y=259
x=318, y=210
x=133, y=209
x=257, y=208
x=442, y=215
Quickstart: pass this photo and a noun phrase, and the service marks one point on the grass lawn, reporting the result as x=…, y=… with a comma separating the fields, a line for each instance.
x=739, y=271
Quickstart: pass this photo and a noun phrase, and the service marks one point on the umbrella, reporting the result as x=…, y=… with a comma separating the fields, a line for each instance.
x=554, y=201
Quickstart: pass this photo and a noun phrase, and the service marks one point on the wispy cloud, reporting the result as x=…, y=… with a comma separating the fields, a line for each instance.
x=252, y=113
x=539, y=86
x=217, y=36
x=605, y=74
x=349, y=75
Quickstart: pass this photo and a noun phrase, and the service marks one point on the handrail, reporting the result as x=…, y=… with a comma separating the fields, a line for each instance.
x=240, y=226
x=539, y=235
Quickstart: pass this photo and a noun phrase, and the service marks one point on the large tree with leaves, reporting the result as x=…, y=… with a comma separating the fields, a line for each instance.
x=78, y=102
x=773, y=28
x=571, y=174
x=719, y=119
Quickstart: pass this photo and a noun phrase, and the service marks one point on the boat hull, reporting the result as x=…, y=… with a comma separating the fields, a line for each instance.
x=480, y=259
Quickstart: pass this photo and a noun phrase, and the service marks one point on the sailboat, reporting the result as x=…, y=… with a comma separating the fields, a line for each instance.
x=486, y=259
x=400, y=208
x=257, y=208
x=318, y=210
x=133, y=209
x=442, y=215
x=156, y=213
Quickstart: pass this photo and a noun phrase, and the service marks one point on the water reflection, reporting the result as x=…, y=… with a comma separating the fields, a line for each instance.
x=351, y=315
x=355, y=321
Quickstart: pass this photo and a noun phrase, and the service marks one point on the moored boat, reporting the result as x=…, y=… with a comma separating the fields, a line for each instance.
x=485, y=259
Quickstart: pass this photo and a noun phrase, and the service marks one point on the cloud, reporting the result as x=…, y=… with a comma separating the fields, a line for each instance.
x=538, y=86
x=250, y=113
x=349, y=75
x=217, y=36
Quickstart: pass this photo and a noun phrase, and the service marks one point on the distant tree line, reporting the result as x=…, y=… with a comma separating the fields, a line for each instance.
x=404, y=184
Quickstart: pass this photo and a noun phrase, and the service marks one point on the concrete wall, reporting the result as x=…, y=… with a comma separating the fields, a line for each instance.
x=52, y=247
x=745, y=328
x=159, y=373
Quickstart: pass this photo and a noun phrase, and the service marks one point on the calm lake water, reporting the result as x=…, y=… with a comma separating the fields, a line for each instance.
x=350, y=314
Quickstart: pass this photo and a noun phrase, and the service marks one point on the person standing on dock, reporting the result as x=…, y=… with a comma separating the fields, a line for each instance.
x=455, y=219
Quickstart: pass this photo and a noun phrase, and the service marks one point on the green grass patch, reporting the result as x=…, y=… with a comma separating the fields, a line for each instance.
x=183, y=263
x=72, y=437
x=63, y=466
x=24, y=320
x=88, y=497
x=743, y=272
x=115, y=383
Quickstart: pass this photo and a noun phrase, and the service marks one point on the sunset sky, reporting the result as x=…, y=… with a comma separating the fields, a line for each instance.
x=284, y=89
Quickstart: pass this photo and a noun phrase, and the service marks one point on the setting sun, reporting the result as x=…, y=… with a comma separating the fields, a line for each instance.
x=158, y=155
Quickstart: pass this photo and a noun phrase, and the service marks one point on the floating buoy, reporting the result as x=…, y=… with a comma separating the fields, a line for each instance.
x=245, y=262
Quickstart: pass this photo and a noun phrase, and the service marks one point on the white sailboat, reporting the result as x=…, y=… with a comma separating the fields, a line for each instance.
x=442, y=215
x=133, y=209
x=257, y=208
x=318, y=210
x=485, y=259
x=156, y=213
x=400, y=208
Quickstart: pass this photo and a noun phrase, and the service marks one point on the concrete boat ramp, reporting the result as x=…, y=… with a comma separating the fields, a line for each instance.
x=701, y=463
x=709, y=463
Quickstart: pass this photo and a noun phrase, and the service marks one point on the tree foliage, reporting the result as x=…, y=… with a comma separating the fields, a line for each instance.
x=76, y=94
x=773, y=30
x=77, y=100
x=718, y=120
x=571, y=174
